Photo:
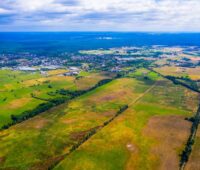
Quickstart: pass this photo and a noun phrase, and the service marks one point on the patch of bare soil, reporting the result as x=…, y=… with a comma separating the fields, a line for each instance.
x=131, y=147
x=133, y=156
x=170, y=134
x=109, y=97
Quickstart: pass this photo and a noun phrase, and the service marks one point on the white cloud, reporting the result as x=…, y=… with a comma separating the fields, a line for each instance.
x=131, y=15
x=4, y=11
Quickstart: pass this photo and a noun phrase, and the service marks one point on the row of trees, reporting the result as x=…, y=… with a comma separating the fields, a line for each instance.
x=183, y=81
x=190, y=84
x=188, y=148
x=80, y=92
x=120, y=111
x=93, y=131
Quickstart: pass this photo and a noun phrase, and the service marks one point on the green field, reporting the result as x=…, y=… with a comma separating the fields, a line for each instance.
x=43, y=139
x=149, y=132
x=149, y=135
x=16, y=88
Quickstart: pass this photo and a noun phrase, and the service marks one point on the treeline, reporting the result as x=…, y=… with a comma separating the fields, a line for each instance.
x=188, y=148
x=80, y=92
x=50, y=103
x=90, y=134
x=31, y=113
x=177, y=80
x=192, y=85
x=121, y=110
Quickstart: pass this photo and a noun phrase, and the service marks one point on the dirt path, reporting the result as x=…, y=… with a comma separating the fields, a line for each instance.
x=140, y=96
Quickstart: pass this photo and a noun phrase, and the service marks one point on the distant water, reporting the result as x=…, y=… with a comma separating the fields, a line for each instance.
x=55, y=42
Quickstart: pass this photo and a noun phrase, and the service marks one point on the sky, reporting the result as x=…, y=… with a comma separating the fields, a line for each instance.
x=100, y=15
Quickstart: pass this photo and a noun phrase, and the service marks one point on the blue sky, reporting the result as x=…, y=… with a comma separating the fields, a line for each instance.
x=100, y=15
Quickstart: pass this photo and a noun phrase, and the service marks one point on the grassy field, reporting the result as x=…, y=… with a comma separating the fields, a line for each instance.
x=192, y=73
x=16, y=88
x=149, y=135
x=42, y=140
x=136, y=139
x=14, y=97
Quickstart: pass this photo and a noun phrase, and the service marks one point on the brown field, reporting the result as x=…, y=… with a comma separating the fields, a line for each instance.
x=170, y=132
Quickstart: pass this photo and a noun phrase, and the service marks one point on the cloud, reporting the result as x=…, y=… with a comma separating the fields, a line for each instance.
x=4, y=11
x=97, y=15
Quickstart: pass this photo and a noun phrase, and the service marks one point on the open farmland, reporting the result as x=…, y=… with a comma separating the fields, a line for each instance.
x=46, y=138
x=150, y=134
x=128, y=108
x=17, y=89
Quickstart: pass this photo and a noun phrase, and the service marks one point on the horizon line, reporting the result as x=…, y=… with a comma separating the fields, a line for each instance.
x=149, y=32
